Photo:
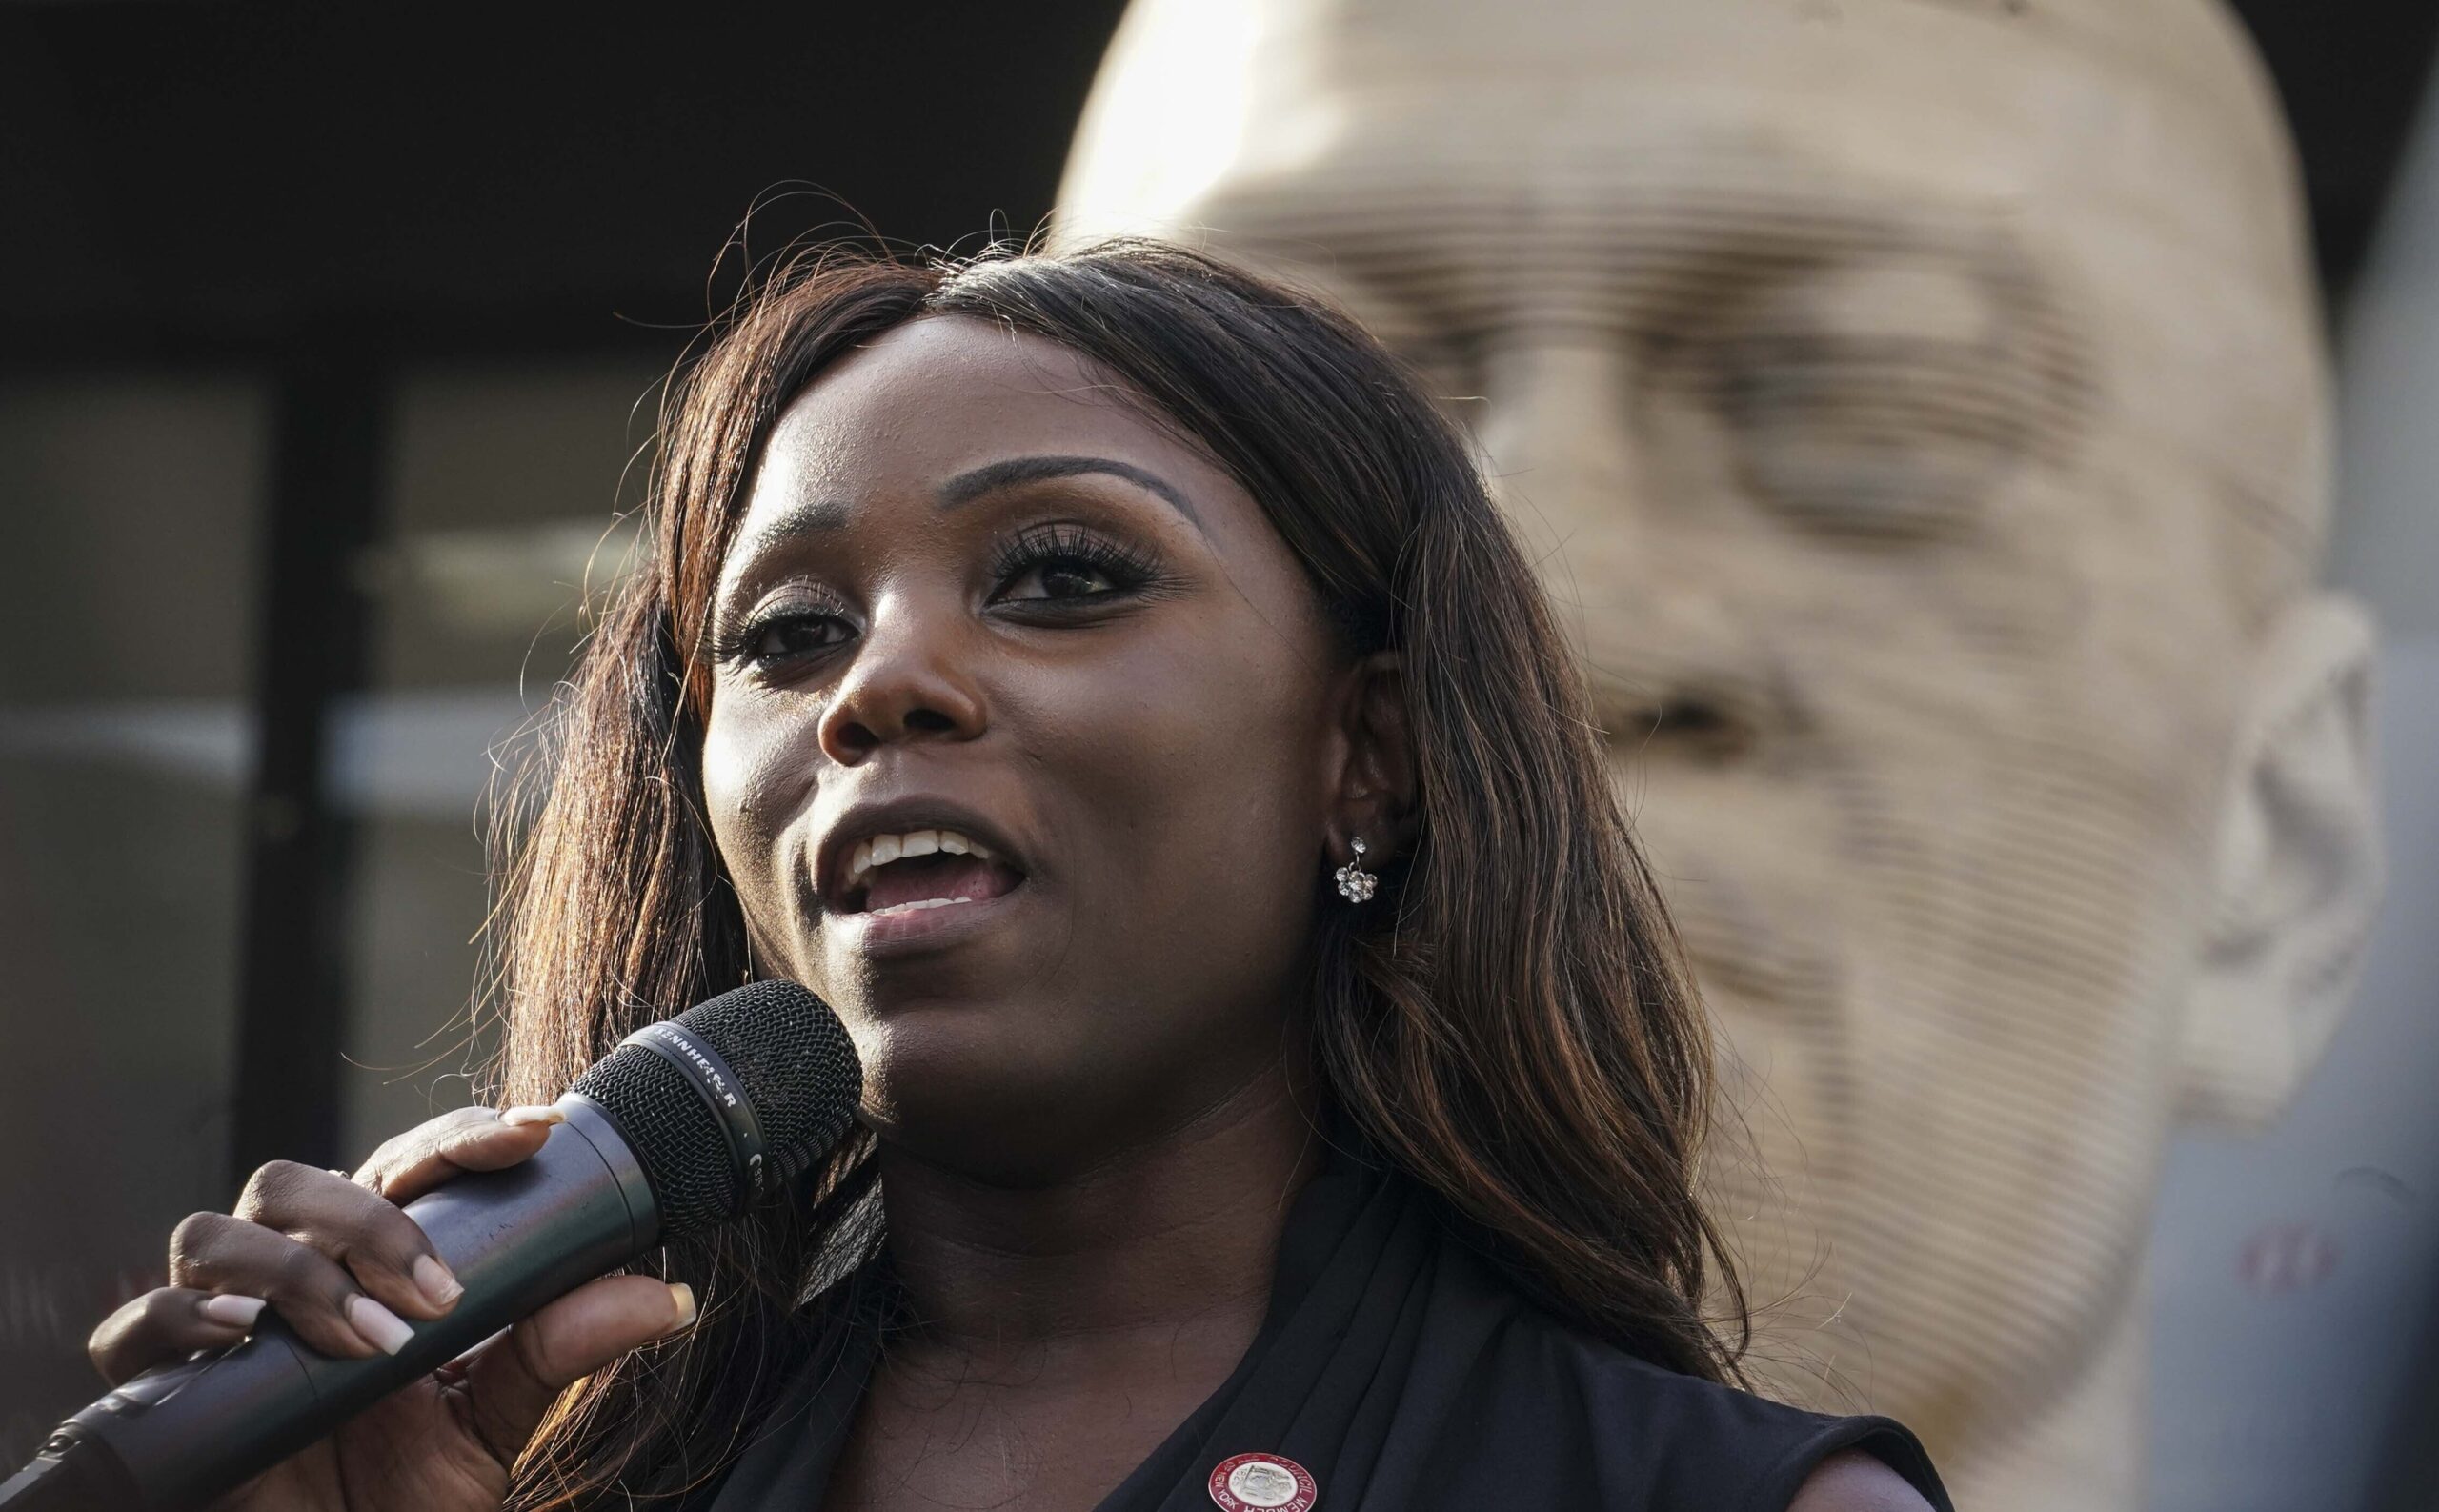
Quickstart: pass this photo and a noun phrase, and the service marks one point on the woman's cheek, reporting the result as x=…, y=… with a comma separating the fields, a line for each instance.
x=752, y=791
x=1209, y=772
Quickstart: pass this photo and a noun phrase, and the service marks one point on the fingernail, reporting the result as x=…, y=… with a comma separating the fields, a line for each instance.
x=684, y=1295
x=237, y=1312
x=433, y=1279
x=517, y=1118
x=381, y=1327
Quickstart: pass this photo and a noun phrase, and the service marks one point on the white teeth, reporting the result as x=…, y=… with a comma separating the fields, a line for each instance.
x=908, y=908
x=882, y=848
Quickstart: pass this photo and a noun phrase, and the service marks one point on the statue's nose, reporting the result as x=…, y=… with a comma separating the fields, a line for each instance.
x=1556, y=423
x=1678, y=668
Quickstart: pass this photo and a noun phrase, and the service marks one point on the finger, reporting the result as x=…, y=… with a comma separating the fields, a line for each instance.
x=390, y=1255
x=313, y=1292
x=468, y=1139
x=167, y=1323
x=512, y=1382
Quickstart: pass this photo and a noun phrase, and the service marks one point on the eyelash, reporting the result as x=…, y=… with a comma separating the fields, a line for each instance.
x=1127, y=569
x=1130, y=573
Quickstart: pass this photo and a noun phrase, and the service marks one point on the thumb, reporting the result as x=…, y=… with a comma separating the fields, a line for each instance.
x=512, y=1382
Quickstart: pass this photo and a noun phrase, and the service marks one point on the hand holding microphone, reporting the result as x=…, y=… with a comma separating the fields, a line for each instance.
x=361, y=1293
x=335, y=1260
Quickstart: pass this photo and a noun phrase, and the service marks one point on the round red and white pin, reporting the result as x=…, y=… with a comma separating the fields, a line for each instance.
x=1262, y=1482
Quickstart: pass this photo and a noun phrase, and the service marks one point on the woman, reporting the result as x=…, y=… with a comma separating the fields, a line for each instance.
x=1104, y=680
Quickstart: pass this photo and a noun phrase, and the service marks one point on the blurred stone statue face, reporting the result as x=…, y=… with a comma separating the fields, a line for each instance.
x=1919, y=409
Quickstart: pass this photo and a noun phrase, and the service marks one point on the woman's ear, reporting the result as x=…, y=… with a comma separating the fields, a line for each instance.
x=1375, y=775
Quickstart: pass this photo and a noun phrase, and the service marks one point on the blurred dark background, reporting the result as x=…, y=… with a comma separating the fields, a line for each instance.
x=199, y=181
x=329, y=344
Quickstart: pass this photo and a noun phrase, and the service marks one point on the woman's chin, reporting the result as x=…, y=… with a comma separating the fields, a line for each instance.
x=993, y=1091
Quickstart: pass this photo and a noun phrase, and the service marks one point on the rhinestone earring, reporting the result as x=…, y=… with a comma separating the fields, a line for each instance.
x=1355, y=884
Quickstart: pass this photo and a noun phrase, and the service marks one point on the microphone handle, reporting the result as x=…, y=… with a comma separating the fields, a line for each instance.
x=180, y=1434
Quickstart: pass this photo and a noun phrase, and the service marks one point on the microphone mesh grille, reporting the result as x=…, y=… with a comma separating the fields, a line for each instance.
x=796, y=1067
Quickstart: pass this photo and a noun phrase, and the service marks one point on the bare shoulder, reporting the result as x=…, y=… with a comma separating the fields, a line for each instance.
x=1854, y=1481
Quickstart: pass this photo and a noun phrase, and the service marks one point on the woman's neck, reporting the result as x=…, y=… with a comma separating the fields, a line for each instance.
x=1178, y=1236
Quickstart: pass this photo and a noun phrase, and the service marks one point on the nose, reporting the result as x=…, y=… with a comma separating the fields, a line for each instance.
x=1657, y=595
x=911, y=679
x=1559, y=430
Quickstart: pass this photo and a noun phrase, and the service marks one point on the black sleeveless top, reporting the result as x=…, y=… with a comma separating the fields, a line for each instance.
x=1400, y=1369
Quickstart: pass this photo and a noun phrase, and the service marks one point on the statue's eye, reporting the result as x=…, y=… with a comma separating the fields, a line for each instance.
x=1888, y=398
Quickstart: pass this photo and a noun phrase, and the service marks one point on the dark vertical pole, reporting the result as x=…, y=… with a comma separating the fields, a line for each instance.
x=324, y=507
x=2408, y=1464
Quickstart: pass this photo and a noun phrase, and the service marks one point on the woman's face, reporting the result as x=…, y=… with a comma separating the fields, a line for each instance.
x=981, y=612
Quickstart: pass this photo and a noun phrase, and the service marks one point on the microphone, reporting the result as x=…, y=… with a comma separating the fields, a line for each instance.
x=679, y=1128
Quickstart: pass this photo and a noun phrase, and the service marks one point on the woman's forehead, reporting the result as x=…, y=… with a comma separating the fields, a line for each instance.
x=946, y=394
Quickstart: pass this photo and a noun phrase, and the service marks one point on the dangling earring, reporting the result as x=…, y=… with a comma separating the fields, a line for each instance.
x=1355, y=884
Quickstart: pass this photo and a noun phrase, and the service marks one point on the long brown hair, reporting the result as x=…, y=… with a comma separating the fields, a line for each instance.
x=1511, y=1024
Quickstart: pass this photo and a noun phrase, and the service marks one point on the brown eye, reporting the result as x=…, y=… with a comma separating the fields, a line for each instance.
x=784, y=637
x=1064, y=577
x=1065, y=563
x=797, y=634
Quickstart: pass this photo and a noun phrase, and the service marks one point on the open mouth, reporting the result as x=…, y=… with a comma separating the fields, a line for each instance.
x=888, y=875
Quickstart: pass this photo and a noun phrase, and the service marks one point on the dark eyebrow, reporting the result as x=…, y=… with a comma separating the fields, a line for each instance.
x=969, y=486
x=829, y=514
